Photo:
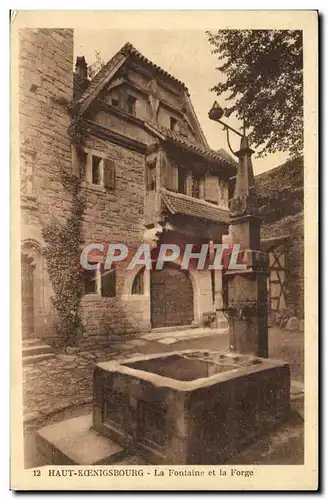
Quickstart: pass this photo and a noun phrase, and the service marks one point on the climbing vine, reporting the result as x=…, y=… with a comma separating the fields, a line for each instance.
x=62, y=254
x=77, y=131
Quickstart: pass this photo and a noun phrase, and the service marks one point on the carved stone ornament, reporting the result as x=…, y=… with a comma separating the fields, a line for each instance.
x=238, y=206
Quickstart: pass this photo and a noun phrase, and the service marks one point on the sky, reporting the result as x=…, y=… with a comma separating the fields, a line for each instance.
x=185, y=54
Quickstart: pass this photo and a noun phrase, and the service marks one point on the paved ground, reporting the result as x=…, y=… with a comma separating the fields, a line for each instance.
x=285, y=446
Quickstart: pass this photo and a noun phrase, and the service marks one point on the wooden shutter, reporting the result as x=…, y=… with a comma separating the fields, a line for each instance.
x=108, y=282
x=171, y=179
x=109, y=173
x=211, y=188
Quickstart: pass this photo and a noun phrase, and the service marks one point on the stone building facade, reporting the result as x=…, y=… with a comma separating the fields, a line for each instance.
x=45, y=85
x=146, y=171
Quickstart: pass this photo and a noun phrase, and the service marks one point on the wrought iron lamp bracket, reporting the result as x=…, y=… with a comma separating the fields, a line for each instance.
x=228, y=140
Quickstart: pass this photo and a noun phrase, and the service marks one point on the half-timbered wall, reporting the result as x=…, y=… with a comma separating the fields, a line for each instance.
x=277, y=280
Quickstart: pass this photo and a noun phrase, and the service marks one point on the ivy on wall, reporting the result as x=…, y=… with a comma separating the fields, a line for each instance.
x=62, y=254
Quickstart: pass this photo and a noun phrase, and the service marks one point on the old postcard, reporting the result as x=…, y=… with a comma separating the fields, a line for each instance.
x=164, y=250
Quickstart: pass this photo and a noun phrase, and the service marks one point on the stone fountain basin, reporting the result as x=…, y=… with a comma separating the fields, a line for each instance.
x=189, y=406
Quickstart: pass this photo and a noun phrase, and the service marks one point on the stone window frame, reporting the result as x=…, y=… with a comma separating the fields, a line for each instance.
x=138, y=284
x=127, y=294
x=87, y=181
x=97, y=294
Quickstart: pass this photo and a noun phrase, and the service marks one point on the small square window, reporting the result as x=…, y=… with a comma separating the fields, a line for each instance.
x=96, y=165
x=90, y=280
x=115, y=102
x=132, y=105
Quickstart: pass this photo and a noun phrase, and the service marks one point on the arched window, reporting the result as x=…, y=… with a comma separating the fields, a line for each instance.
x=138, y=283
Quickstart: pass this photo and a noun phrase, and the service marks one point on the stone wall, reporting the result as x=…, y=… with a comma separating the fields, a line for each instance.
x=45, y=88
x=116, y=217
x=60, y=382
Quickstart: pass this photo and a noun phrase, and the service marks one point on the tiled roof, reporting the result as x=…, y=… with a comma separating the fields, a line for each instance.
x=132, y=50
x=221, y=155
x=290, y=225
x=280, y=192
x=224, y=154
x=181, y=204
x=288, y=176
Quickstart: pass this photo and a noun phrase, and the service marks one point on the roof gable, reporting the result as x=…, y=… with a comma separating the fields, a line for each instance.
x=108, y=72
x=101, y=79
x=110, y=69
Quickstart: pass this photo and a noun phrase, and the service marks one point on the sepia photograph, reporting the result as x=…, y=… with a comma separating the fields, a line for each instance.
x=162, y=314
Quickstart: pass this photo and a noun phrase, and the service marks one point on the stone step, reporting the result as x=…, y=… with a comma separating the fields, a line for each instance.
x=36, y=349
x=74, y=442
x=29, y=342
x=36, y=358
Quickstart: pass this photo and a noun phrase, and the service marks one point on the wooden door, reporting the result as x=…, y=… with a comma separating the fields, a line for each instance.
x=157, y=304
x=171, y=298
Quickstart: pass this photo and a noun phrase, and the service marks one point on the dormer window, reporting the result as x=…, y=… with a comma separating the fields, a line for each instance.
x=132, y=105
x=115, y=102
x=173, y=123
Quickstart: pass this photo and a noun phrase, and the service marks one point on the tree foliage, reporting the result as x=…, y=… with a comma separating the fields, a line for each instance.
x=96, y=65
x=263, y=79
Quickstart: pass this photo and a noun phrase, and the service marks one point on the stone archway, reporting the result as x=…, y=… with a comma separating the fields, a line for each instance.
x=172, y=297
